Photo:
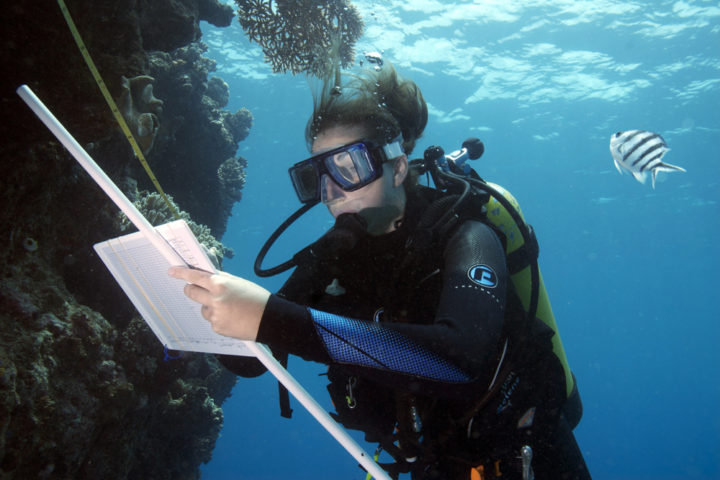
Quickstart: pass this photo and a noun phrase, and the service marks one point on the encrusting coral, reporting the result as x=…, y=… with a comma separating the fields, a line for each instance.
x=219, y=91
x=140, y=109
x=232, y=177
x=157, y=211
x=86, y=388
x=298, y=35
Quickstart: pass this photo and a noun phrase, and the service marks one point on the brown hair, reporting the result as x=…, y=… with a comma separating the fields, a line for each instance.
x=384, y=104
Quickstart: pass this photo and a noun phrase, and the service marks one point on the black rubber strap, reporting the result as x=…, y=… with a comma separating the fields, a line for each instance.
x=285, y=410
x=525, y=255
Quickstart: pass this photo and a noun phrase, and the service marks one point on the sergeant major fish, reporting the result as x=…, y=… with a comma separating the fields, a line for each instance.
x=640, y=152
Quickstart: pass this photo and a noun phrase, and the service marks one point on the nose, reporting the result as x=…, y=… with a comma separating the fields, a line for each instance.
x=329, y=190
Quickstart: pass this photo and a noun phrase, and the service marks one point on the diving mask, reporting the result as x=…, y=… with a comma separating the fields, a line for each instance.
x=351, y=167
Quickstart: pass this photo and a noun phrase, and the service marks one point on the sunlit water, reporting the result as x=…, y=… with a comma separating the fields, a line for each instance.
x=631, y=271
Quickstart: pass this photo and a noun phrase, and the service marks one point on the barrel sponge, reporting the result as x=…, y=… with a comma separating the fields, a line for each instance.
x=299, y=35
x=141, y=109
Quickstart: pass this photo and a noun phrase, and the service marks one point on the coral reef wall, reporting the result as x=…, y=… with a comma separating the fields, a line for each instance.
x=86, y=390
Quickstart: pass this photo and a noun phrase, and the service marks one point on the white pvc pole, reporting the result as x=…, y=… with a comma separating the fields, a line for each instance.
x=86, y=161
x=317, y=411
x=260, y=351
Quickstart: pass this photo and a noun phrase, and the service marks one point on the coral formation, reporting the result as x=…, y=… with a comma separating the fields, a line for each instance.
x=299, y=35
x=238, y=124
x=86, y=390
x=170, y=24
x=197, y=134
x=82, y=399
x=218, y=91
x=232, y=177
x=140, y=109
x=157, y=211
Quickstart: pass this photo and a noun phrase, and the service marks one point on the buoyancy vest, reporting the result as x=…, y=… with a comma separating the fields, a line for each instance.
x=525, y=334
x=519, y=253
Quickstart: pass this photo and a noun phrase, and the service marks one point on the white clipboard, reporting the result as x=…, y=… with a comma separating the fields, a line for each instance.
x=172, y=316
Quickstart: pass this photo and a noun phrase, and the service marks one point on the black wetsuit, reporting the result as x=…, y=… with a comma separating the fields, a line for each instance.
x=419, y=342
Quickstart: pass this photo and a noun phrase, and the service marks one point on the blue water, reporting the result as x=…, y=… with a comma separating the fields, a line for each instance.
x=631, y=271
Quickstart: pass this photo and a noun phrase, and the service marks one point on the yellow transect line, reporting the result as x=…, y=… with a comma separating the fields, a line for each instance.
x=113, y=107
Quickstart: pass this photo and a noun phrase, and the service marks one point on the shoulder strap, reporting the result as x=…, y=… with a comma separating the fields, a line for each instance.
x=525, y=255
x=435, y=226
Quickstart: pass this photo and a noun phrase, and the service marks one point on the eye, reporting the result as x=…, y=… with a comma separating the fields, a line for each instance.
x=347, y=173
x=345, y=167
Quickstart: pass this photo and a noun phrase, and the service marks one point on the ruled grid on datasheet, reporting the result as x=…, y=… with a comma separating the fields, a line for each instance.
x=142, y=273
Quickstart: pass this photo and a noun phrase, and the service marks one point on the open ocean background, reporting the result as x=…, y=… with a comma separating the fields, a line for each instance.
x=632, y=272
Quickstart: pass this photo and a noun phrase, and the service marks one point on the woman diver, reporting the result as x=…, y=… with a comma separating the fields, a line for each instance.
x=428, y=349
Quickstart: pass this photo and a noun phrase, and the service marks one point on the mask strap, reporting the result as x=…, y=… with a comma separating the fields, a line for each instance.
x=394, y=149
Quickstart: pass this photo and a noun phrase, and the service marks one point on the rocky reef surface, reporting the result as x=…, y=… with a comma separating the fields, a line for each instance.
x=86, y=390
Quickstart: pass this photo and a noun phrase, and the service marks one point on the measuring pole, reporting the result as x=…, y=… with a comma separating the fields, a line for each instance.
x=260, y=351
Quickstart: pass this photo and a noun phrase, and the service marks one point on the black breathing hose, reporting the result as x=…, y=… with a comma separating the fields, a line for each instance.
x=279, y=231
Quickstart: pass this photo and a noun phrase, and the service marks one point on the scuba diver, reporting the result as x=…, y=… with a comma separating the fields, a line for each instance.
x=426, y=303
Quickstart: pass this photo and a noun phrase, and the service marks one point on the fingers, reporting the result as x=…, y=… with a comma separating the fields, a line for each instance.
x=233, y=306
x=204, y=298
x=198, y=277
x=206, y=313
x=198, y=294
x=198, y=287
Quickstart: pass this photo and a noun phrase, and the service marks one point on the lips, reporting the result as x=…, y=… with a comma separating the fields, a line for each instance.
x=339, y=210
x=343, y=205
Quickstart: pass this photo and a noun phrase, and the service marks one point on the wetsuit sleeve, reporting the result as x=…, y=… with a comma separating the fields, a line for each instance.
x=469, y=320
x=455, y=348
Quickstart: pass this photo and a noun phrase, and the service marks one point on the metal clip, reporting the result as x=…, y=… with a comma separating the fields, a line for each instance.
x=415, y=418
x=349, y=398
x=526, y=458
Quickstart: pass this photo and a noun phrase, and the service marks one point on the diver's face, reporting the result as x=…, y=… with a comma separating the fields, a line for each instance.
x=382, y=198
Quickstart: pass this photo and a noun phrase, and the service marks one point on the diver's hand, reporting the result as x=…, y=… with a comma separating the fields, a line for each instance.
x=233, y=306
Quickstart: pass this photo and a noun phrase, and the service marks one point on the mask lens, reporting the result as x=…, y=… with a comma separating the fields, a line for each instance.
x=351, y=168
x=344, y=168
x=305, y=180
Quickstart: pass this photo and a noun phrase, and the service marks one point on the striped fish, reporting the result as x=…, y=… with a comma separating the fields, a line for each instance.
x=640, y=152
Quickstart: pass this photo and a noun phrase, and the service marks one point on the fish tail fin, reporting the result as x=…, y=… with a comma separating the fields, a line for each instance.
x=665, y=167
